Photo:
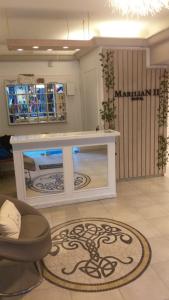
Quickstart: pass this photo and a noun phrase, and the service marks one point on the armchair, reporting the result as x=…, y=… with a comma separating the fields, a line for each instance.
x=34, y=240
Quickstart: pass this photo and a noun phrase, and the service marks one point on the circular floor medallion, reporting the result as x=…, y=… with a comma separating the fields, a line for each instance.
x=54, y=182
x=95, y=254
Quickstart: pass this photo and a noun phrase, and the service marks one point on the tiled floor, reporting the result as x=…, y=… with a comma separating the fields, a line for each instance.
x=143, y=204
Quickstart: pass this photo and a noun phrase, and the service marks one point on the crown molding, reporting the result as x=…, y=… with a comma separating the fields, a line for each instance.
x=158, y=38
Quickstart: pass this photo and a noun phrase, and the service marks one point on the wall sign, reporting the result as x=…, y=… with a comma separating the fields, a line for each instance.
x=136, y=95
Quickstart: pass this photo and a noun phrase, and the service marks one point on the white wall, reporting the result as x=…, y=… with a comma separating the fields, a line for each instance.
x=91, y=89
x=61, y=72
x=159, y=53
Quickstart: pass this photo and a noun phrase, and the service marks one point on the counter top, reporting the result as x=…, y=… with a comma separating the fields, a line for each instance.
x=63, y=136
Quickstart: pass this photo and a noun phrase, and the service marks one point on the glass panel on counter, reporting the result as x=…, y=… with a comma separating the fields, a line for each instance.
x=90, y=166
x=43, y=171
x=34, y=103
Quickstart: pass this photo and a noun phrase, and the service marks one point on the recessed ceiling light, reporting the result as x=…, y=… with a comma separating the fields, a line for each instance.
x=65, y=47
x=19, y=49
x=77, y=49
x=49, y=49
x=35, y=47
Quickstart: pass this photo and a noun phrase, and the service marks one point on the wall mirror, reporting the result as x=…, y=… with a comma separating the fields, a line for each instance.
x=36, y=103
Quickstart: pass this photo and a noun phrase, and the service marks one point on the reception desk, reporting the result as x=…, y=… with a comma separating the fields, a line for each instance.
x=62, y=168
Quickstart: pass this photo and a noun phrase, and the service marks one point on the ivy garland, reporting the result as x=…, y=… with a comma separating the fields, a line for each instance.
x=108, y=111
x=163, y=154
x=163, y=100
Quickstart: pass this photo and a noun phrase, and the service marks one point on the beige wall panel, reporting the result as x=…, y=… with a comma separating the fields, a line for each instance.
x=148, y=119
x=156, y=128
x=116, y=55
x=125, y=114
x=136, y=120
x=143, y=118
x=139, y=112
x=121, y=113
x=160, y=129
x=135, y=109
x=152, y=125
x=130, y=112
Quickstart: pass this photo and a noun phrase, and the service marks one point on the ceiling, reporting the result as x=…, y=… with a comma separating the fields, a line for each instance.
x=69, y=20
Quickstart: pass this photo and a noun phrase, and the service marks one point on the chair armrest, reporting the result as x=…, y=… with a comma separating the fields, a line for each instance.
x=26, y=250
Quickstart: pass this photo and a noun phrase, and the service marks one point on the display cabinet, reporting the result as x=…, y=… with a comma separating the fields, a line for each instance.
x=36, y=103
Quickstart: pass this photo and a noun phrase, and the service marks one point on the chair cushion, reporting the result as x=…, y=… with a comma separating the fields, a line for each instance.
x=10, y=220
x=32, y=226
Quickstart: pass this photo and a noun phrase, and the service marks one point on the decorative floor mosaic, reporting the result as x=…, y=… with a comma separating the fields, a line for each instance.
x=54, y=182
x=95, y=254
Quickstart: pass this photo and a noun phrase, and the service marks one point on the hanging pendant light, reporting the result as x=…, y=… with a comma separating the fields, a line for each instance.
x=139, y=7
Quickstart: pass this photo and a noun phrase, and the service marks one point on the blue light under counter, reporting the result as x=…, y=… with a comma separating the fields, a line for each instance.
x=59, y=151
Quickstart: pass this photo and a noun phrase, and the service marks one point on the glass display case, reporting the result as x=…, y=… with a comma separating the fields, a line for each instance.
x=36, y=103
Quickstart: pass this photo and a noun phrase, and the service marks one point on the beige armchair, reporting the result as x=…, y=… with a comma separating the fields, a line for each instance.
x=33, y=244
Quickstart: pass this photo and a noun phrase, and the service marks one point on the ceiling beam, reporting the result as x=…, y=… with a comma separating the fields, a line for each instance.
x=16, y=57
x=158, y=45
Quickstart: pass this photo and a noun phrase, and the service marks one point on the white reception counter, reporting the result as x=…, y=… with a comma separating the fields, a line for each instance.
x=61, y=168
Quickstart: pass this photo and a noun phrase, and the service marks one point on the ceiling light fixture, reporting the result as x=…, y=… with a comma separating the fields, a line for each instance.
x=19, y=49
x=50, y=50
x=77, y=49
x=35, y=47
x=139, y=7
x=65, y=47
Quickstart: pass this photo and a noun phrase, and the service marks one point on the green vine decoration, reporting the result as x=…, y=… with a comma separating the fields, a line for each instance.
x=163, y=101
x=163, y=154
x=108, y=105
